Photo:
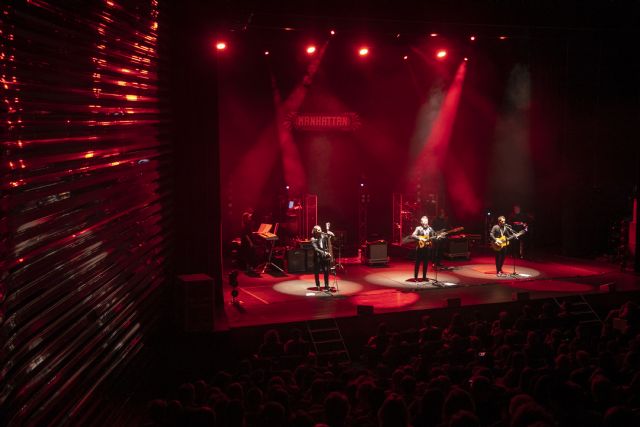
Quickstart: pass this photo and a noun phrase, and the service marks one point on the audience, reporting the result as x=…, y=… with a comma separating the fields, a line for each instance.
x=539, y=368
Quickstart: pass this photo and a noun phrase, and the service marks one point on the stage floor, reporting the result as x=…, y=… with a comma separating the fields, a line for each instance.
x=282, y=298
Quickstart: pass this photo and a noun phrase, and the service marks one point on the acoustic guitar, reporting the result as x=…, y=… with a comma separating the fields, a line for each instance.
x=502, y=242
x=428, y=240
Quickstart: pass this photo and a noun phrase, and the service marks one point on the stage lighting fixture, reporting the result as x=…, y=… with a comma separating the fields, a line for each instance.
x=472, y=38
x=311, y=49
x=221, y=45
x=405, y=57
x=466, y=59
x=434, y=34
x=441, y=54
x=363, y=51
x=502, y=37
x=332, y=32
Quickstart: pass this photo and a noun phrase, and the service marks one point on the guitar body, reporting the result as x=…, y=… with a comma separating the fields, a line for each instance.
x=424, y=241
x=503, y=241
x=500, y=244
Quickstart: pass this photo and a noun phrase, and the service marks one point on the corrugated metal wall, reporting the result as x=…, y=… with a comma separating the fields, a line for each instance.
x=85, y=201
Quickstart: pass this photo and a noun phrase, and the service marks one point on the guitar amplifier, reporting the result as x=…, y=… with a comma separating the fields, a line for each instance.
x=375, y=253
x=300, y=260
x=457, y=248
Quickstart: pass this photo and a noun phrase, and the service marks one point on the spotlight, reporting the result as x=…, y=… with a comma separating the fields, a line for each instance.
x=502, y=37
x=363, y=51
x=311, y=49
x=361, y=184
x=472, y=38
x=286, y=187
x=405, y=57
x=441, y=54
x=332, y=32
x=433, y=34
x=466, y=59
x=221, y=45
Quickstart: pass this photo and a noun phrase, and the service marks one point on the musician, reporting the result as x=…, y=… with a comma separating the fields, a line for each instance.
x=322, y=256
x=422, y=253
x=501, y=229
x=440, y=223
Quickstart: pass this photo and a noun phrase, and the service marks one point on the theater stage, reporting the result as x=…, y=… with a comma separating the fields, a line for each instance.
x=282, y=298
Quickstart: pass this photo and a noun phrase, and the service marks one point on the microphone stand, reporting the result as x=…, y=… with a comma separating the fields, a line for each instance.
x=436, y=283
x=513, y=254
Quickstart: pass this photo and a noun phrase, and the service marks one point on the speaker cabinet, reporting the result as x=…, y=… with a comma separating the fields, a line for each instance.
x=300, y=260
x=457, y=248
x=296, y=261
x=195, y=310
x=376, y=253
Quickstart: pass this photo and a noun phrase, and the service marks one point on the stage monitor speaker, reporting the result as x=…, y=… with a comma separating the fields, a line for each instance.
x=376, y=252
x=364, y=310
x=297, y=261
x=454, y=302
x=195, y=302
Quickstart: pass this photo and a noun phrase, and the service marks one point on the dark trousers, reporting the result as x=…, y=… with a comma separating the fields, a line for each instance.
x=321, y=265
x=500, y=257
x=422, y=256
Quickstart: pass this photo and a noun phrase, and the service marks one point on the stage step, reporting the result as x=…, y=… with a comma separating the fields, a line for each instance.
x=581, y=310
x=327, y=339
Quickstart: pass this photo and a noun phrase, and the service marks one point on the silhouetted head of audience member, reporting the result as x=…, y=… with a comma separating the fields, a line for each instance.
x=272, y=415
x=393, y=412
x=464, y=419
x=531, y=414
x=457, y=400
x=619, y=416
x=186, y=394
x=201, y=417
x=336, y=409
x=301, y=419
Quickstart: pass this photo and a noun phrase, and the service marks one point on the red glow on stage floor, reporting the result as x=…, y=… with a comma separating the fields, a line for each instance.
x=294, y=297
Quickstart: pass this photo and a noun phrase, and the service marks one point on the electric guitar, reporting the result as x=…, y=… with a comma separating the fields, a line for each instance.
x=428, y=240
x=502, y=242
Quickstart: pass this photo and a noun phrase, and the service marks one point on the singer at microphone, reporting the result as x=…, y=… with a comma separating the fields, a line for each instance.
x=499, y=234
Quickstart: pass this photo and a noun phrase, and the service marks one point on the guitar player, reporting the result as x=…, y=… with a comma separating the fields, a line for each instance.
x=423, y=251
x=497, y=233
